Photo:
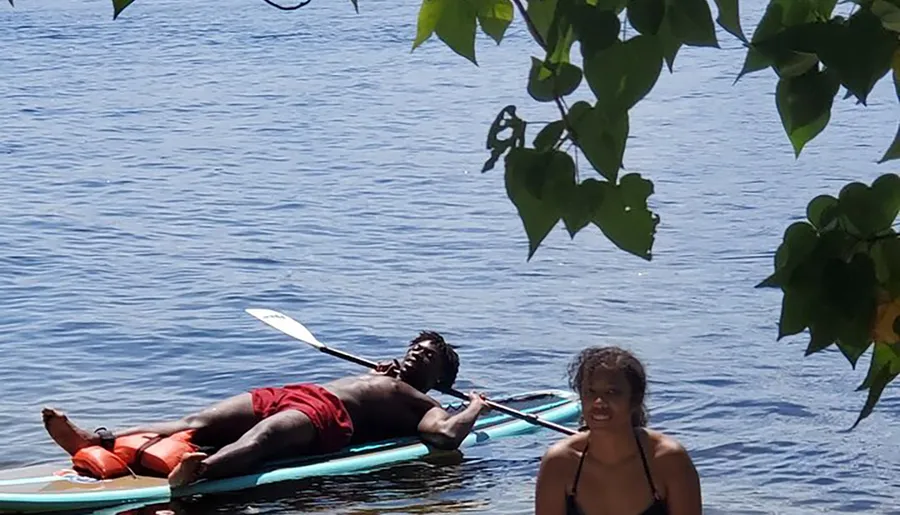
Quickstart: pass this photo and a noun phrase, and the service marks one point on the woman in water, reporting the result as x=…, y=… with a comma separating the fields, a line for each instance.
x=617, y=466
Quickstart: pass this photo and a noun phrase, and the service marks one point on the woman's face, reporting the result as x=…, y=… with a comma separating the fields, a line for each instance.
x=606, y=400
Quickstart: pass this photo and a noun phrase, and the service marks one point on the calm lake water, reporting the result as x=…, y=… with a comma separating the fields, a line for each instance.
x=160, y=173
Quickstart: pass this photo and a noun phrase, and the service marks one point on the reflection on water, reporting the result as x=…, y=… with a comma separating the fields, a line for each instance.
x=442, y=483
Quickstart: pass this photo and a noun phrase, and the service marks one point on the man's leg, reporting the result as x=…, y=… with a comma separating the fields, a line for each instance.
x=218, y=425
x=283, y=434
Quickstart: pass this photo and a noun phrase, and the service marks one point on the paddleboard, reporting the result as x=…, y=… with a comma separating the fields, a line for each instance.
x=48, y=488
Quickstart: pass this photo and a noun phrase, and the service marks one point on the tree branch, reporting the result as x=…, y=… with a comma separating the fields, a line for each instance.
x=543, y=44
x=530, y=23
x=288, y=7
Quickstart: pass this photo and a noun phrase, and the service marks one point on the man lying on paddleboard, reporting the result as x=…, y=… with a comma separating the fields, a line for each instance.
x=279, y=422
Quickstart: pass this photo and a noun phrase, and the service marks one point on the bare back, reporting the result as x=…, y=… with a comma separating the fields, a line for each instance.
x=381, y=407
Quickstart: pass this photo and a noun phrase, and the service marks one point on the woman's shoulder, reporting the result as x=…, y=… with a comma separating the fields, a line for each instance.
x=662, y=443
x=566, y=450
x=666, y=451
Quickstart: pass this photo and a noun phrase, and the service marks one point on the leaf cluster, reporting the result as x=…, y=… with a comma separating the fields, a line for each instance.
x=839, y=271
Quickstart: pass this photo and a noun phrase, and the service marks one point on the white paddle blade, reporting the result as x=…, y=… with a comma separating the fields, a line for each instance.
x=285, y=324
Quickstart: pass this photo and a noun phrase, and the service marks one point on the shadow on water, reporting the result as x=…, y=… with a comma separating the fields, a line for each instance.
x=440, y=483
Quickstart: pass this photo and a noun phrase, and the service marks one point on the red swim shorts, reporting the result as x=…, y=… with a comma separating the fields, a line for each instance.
x=327, y=413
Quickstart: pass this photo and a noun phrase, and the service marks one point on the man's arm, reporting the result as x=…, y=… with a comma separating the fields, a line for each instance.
x=439, y=428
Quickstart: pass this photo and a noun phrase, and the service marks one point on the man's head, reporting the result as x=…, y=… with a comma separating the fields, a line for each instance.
x=430, y=362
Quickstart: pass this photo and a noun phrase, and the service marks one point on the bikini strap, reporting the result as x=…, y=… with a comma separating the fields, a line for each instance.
x=646, y=466
x=578, y=471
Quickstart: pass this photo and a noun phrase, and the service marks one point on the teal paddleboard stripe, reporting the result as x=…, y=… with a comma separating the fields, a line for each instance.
x=558, y=406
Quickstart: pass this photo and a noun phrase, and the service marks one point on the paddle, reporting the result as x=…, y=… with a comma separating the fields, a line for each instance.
x=295, y=329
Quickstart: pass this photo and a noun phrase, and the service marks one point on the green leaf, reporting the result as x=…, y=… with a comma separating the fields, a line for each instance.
x=825, y=331
x=779, y=15
x=539, y=184
x=646, y=15
x=454, y=22
x=884, y=368
x=886, y=198
x=563, y=47
x=616, y=6
x=859, y=50
x=883, y=355
x=624, y=73
x=851, y=289
x=853, y=351
x=869, y=211
x=550, y=19
x=429, y=16
x=583, y=205
x=804, y=104
x=822, y=211
x=888, y=13
x=886, y=255
x=561, y=34
x=506, y=120
x=118, y=7
x=821, y=336
x=893, y=152
x=495, y=16
x=600, y=136
x=456, y=27
x=549, y=135
x=753, y=62
x=669, y=43
x=541, y=13
x=824, y=8
x=795, y=313
x=834, y=298
x=595, y=28
x=624, y=218
x=853, y=286
x=691, y=22
x=546, y=85
x=797, y=244
x=864, y=54
x=730, y=18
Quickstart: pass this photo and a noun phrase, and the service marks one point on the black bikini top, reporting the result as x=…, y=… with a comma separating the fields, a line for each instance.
x=658, y=507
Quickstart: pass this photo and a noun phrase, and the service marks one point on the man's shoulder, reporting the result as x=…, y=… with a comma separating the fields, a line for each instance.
x=404, y=391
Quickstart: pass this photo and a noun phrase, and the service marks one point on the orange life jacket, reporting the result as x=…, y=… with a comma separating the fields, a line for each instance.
x=150, y=453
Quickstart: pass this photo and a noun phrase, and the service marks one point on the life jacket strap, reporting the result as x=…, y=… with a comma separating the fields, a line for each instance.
x=139, y=454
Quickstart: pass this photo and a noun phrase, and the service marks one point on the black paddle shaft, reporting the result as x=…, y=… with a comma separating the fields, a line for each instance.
x=459, y=395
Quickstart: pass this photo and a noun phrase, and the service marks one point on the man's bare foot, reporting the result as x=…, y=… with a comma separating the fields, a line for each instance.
x=66, y=434
x=187, y=471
